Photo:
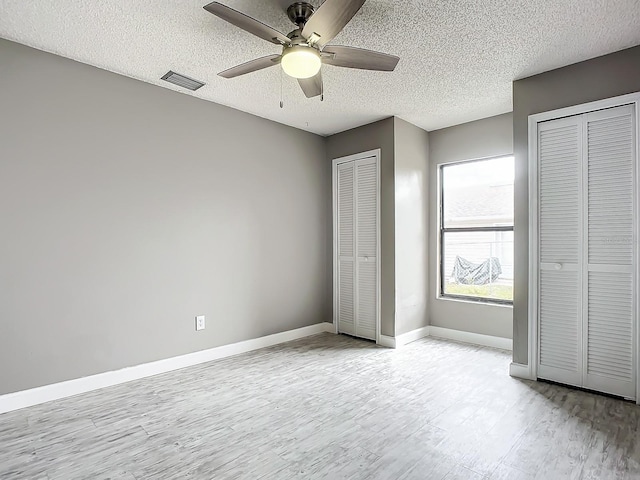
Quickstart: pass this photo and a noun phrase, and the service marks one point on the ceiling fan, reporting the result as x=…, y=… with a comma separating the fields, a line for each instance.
x=305, y=49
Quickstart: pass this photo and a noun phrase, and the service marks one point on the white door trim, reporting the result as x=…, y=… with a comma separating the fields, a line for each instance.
x=334, y=209
x=636, y=258
x=533, y=342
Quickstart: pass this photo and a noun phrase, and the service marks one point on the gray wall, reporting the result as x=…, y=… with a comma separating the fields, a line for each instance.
x=370, y=137
x=128, y=209
x=483, y=138
x=411, y=226
x=596, y=79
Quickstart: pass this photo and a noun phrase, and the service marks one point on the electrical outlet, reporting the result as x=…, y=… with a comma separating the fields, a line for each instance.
x=200, y=322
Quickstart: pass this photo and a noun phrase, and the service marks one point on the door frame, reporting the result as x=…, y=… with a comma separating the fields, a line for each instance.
x=334, y=211
x=533, y=341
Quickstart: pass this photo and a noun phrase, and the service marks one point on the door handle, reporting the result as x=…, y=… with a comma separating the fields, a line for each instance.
x=557, y=266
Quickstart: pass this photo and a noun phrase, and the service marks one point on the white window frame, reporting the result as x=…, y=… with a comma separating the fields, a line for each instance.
x=440, y=295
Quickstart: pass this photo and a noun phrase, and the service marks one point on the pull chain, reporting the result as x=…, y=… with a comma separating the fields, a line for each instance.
x=281, y=100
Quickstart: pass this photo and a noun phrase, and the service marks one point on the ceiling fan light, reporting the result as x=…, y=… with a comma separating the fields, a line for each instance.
x=301, y=62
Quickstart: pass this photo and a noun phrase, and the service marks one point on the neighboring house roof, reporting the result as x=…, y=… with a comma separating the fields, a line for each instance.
x=492, y=203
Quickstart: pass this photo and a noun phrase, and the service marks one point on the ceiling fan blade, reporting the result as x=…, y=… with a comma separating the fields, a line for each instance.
x=251, y=66
x=247, y=23
x=329, y=20
x=312, y=87
x=352, y=57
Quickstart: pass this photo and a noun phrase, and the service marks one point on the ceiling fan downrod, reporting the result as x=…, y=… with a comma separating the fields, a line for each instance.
x=300, y=12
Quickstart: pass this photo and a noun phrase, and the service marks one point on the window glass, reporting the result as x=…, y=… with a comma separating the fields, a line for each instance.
x=479, y=264
x=478, y=193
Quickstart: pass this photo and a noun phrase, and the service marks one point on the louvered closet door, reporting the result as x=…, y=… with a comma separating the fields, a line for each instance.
x=346, y=275
x=560, y=238
x=357, y=245
x=366, y=247
x=609, y=313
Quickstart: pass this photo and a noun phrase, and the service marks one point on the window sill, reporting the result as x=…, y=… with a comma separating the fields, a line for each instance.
x=450, y=298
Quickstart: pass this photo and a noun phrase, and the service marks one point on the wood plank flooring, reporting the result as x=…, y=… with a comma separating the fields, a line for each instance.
x=329, y=407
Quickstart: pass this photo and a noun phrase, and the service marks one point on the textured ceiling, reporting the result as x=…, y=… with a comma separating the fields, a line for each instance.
x=458, y=58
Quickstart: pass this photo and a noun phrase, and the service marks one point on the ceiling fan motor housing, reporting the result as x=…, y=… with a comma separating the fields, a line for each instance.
x=296, y=38
x=299, y=12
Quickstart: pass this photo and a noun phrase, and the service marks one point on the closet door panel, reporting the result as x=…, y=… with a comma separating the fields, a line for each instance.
x=366, y=322
x=367, y=184
x=366, y=246
x=560, y=237
x=346, y=308
x=610, y=317
x=560, y=327
x=346, y=297
x=610, y=152
x=559, y=191
x=610, y=352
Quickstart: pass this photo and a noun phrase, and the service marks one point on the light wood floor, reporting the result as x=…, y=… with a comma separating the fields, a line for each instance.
x=329, y=407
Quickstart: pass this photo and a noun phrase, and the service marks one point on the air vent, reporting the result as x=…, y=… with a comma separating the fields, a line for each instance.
x=182, y=81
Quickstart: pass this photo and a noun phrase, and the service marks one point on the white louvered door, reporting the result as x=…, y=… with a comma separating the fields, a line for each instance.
x=586, y=249
x=357, y=244
x=346, y=213
x=609, y=313
x=560, y=238
x=366, y=246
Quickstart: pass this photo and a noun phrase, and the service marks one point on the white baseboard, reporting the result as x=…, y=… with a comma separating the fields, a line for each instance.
x=412, y=336
x=520, y=370
x=47, y=393
x=386, y=341
x=447, y=333
x=473, y=338
x=328, y=327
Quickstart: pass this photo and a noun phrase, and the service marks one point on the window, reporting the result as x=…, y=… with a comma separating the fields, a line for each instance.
x=476, y=230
